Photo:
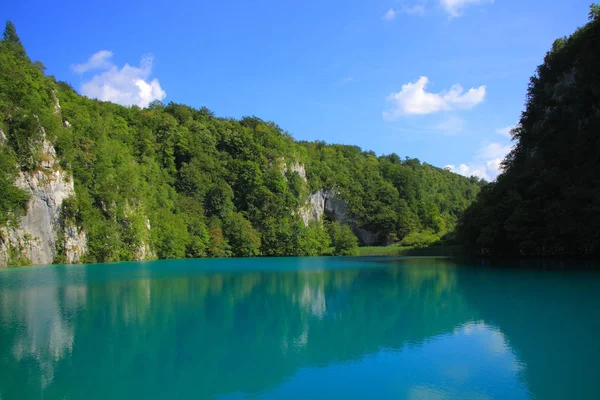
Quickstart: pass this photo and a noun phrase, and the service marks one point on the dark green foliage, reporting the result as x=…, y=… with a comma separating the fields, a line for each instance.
x=390, y=196
x=594, y=12
x=10, y=34
x=243, y=239
x=172, y=181
x=217, y=246
x=547, y=202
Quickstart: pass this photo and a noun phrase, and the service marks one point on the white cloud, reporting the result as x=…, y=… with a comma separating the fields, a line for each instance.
x=494, y=167
x=505, y=131
x=469, y=170
x=127, y=86
x=493, y=150
x=389, y=15
x=414, y=99
x=487, y=164
x=97, y=60
x=455, y=7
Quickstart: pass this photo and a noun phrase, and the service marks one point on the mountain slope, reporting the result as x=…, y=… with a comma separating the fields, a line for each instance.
x=170, y=181
x=548, y=199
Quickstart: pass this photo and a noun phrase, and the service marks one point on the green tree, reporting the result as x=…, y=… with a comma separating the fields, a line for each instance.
x=10, y=38
x=547, y=200
x=343, y=240
x=217, y=246
x=13, y=200
x=189, y=184
x=243, y=239
x=594, y=12
x=313, y=240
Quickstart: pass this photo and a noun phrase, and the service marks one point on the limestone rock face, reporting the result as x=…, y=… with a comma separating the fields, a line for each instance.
x=314, y=208
x=36, y=237
x=75, y=244
x=299, y=168
x=144, y=252
x=327, y=201
x=321, y=201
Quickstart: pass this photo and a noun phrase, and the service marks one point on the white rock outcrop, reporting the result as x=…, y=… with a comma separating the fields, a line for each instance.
x=37, y=234
x=299, y=168
x=143, y=251
x=327, y=201
x=321, y=201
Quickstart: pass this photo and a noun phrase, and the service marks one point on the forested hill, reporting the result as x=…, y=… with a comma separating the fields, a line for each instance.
x=90, y=181
x=547, y=202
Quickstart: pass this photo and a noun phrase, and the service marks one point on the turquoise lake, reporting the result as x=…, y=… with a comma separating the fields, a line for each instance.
x=299, y=328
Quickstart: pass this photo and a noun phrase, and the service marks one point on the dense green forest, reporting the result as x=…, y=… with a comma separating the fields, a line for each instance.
x=188, y=184
x=547, y=201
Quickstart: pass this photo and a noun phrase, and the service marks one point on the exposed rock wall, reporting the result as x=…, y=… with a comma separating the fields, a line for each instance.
x=299, y=168
x=144, y=252
x=35, y=240
x=314, y=208
x=327, y=201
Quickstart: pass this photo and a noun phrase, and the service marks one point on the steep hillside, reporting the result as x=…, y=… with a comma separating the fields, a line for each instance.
x=547, y=202
x=90, y=181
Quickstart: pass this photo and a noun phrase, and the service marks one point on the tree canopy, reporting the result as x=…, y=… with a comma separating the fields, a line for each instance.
x=547, y=201
x=181, y=182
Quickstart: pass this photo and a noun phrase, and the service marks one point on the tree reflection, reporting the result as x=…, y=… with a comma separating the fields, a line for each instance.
x=155, y=331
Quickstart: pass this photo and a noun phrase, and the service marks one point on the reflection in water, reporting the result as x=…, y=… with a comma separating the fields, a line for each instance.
x=39, y=320
x=282, y=328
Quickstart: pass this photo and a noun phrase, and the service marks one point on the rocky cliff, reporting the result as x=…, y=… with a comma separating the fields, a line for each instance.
x=43, y=233
x=330, y=202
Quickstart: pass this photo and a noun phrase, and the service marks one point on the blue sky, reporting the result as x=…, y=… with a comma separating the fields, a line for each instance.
x=439, y=80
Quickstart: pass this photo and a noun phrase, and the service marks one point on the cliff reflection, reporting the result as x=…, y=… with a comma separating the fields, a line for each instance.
x=37, y=328
x=159, y=330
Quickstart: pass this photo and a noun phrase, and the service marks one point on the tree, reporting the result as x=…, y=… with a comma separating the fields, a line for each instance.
x=594, y=12
x=244, y=240
x=189, y=184
x=343, y=240
x=547, y=200
x=10, y=33
x=313, y=240
x=11, y=39
x=218, y=246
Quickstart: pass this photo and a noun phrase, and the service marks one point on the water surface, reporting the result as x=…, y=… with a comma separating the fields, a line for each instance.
x=298, y=328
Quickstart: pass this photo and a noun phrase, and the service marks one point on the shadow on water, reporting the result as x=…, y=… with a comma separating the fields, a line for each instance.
x=549, y=311
x=207, y=329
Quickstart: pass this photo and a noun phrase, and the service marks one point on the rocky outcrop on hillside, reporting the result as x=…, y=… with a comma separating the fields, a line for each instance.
x=42, y=231
x=330, y=202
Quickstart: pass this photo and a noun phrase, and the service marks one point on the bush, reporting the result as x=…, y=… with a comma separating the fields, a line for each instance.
x=343, y=240
x=420, y=239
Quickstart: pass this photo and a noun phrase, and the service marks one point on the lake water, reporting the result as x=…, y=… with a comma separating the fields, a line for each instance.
x=299, y=328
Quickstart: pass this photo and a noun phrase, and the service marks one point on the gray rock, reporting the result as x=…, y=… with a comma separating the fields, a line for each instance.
x=299, y=168
x=75, y=244
x=329, y=201
x=35, y=238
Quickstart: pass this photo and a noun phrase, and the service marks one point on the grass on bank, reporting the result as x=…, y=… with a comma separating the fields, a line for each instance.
x=395, y=250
